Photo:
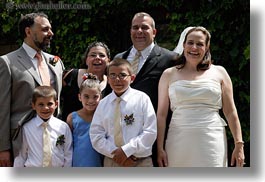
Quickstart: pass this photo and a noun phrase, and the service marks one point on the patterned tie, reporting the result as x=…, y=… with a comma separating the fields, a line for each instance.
x=135, y=62
x=117, y=126
x=43, y=70
x=47, y=153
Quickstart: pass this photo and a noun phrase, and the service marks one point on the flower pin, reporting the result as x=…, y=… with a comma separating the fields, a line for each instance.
x=89, y=76
x=54, y=60
x=60, y=140
x=129, y=119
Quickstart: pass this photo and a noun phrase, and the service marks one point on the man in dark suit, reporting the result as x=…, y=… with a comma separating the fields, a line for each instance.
x=152, y=62
x=19, y=76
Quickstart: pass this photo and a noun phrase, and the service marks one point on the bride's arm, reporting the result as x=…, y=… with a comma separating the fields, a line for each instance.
x=230, y=112
x=162, y=111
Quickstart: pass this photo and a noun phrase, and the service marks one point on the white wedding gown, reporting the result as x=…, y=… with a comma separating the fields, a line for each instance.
x=196, y=135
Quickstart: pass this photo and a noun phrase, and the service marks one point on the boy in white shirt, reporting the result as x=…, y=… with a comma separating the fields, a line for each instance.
x=137, y=122
x=41, y=147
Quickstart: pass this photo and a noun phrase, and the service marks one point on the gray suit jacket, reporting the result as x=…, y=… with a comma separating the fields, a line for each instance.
x=18, y=78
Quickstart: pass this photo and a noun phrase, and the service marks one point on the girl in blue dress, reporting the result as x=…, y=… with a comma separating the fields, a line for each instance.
x=84, y=155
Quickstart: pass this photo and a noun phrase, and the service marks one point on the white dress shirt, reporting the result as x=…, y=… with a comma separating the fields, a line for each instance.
x=31, y=152
x=138, y=136
x=144, y=55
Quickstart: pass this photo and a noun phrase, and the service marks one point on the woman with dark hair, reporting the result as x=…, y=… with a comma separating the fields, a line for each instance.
x=195, y=90
x=95, y=61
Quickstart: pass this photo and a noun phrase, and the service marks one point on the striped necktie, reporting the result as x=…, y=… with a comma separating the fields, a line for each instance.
x=117, y=124
x=135, y=62
x=47, y=153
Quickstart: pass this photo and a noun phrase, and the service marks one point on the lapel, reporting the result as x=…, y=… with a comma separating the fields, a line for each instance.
x=51, y=67
x=126, y=54
x=151, y=61
x=26, y=62
x=53, y=70
x=56, y=70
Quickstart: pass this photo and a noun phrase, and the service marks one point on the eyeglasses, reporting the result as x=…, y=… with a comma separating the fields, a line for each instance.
x=122, y=76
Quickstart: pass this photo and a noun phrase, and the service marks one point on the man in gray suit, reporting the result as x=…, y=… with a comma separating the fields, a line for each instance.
x=153, y=60
x=19, y=75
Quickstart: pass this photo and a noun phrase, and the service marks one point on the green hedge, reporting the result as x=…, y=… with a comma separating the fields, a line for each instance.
x=109, y=21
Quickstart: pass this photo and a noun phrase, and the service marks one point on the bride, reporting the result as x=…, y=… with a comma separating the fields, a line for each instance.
x=196, y=91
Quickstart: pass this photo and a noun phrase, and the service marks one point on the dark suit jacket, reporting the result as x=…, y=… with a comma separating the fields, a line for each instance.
x=148, y=77
x=18, y=78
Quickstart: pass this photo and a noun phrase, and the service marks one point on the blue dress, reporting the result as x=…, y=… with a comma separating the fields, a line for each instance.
x=84, y=155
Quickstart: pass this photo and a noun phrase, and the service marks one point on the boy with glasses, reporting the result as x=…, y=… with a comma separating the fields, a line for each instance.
x=124, y=134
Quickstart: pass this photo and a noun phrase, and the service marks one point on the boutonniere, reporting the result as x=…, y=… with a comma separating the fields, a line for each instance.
x=129, y=119
x=89, y=76
x=54, y=60
x=60, y=140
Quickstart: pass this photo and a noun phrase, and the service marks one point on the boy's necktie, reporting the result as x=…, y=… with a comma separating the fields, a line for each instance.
x=47, y=153
x=117, y=125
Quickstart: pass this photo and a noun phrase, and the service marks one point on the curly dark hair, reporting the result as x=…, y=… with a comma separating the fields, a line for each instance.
x=94, y=44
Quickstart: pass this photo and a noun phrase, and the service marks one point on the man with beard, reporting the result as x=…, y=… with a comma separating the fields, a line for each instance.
x=20, y=73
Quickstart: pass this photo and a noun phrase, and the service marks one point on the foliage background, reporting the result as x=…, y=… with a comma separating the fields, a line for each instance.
x=109, y=21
